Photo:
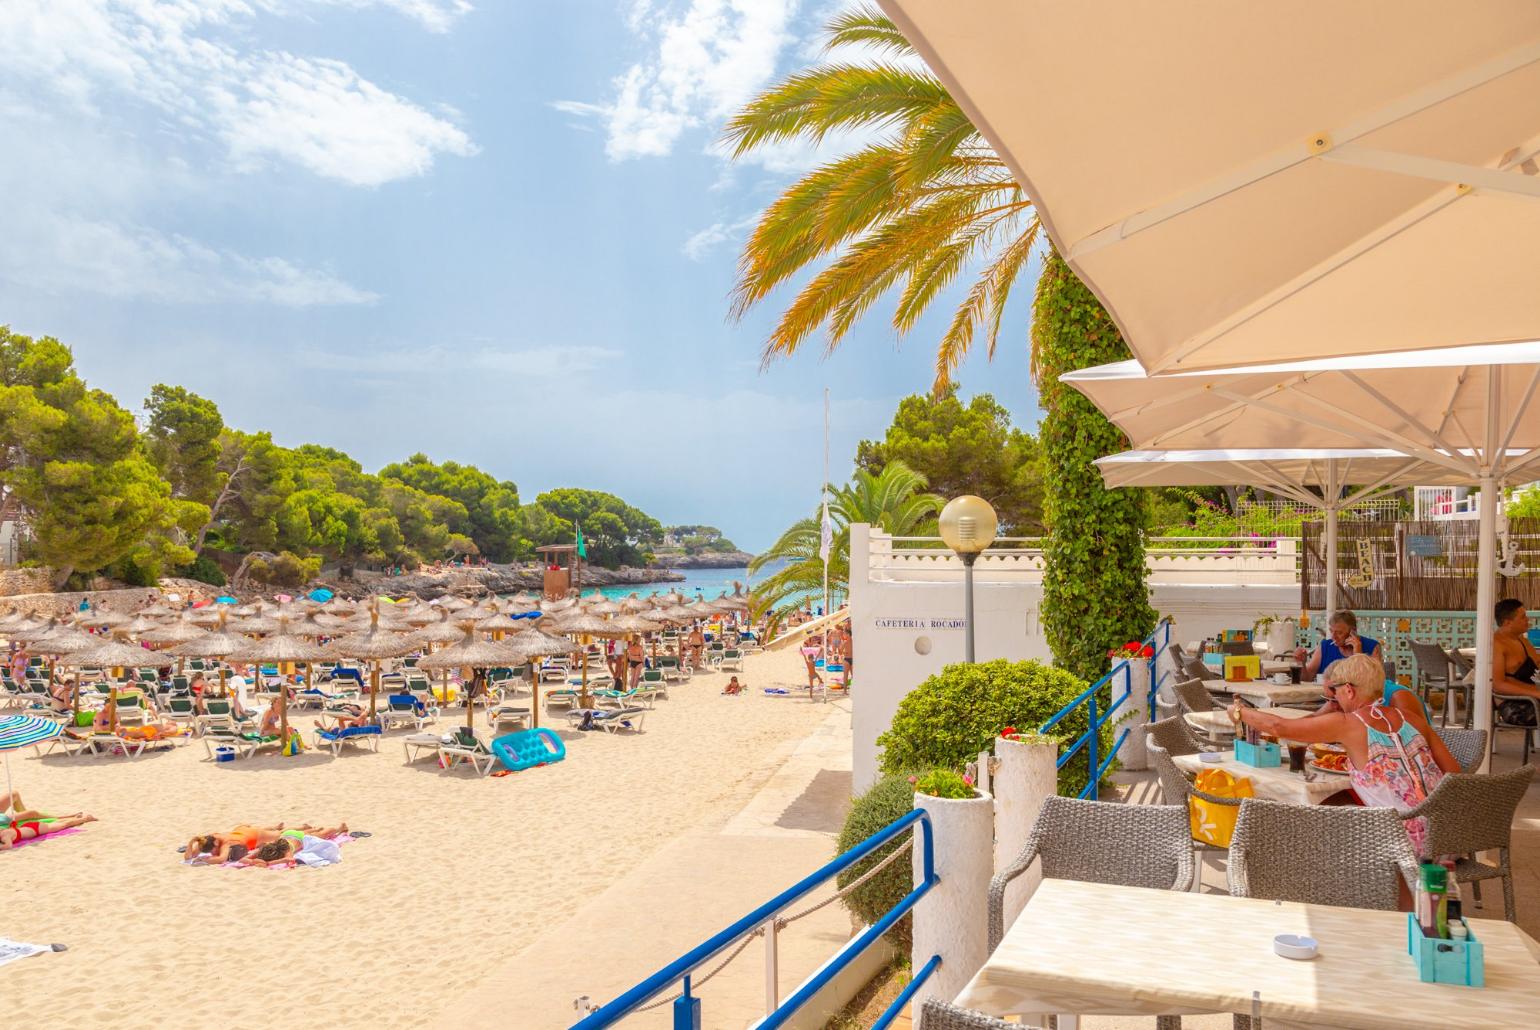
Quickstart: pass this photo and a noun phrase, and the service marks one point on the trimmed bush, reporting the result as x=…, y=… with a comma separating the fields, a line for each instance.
x=889, y=799
x=204, y=569
x=947, y=720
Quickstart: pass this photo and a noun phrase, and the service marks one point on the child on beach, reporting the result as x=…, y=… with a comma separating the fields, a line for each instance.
x=734, y=688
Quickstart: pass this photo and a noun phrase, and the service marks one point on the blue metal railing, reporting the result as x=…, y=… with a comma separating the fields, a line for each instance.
x=1098, y=716
x=687, y=1007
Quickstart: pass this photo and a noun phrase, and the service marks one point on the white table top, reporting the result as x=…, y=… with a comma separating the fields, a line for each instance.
x=1276, y=783
x=1267, y=694
x=1217, y=722
x=1094, y=948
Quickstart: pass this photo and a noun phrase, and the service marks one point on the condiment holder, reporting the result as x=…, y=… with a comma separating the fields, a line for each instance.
x=1260, y=755
x=1445, y=960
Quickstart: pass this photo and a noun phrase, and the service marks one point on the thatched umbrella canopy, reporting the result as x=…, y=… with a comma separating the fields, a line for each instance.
x=217, y=643
x=37, y=629
x=523, y=597
x=605, y=606
x=114, y=653
x=339, y=606
x=252, y=624
x=635, y=604
x=630, y=624
x=101, y=618
x=66, y=639
x=377, y=642
x=701, y=608
x=283, y=647
x=176, y=631
x=472, y=652
x=500, y=623
x=452, y=603
x=442, y=632
x=673, y=597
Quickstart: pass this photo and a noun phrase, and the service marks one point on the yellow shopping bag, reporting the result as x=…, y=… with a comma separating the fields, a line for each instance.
x=1211, y=823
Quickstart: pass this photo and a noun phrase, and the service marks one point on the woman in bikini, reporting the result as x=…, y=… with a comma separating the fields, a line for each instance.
x=218, y=848
x=289, y=843
x=19, y=824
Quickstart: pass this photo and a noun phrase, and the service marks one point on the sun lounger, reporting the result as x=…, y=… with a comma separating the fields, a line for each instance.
x=245, y=744
x=502, y=715
x=612, y=720
x=467, y=747
x=406, y=709
x=70, y=742
x=732, y=658
x=417, y=743
x=358, y=736
x=105, y=743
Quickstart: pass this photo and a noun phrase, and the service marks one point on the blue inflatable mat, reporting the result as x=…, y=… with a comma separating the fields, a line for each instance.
x=528, y=748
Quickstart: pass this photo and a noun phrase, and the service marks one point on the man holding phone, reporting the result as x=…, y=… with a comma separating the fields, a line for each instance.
x=1341, y=640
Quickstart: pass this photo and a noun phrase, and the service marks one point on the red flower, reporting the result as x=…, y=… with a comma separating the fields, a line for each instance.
x=1009, y=731
x=1147, y=652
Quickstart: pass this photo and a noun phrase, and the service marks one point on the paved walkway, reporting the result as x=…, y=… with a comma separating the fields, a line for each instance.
x=695, y=885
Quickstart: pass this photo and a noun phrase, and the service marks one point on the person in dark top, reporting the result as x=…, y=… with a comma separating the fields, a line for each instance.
x=1514, y=661
x=1341, y=640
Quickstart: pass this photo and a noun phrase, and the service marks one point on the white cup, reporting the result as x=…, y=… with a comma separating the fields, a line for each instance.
x=1281, y=678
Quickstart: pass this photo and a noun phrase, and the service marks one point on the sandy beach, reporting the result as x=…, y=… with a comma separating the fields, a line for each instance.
x=459, y=875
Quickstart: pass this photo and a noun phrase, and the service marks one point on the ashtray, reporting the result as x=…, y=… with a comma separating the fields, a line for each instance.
x=1212, y=757
x=1291, y=945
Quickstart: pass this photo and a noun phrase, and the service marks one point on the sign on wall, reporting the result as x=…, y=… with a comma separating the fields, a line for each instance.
x=924, y=622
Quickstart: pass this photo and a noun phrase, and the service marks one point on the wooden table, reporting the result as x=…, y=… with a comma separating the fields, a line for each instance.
x=1092, y=948
x=1275, y=784
x=1216, y=723
x=1266, y=694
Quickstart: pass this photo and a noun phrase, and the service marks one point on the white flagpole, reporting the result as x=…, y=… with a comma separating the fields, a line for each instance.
x=823, y=526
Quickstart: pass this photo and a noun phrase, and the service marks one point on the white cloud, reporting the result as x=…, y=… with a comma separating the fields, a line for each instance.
x=703, y=62
x=702, y=243
x=177, y=57
x=438, y=361
x=435, y=15
x=66, y=253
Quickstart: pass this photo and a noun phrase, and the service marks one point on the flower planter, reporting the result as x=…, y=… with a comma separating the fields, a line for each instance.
x=1027, y=776
x=952, y=920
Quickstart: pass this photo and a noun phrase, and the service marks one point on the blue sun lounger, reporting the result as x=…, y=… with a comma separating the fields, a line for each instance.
x=528, y=748
x=335, y=739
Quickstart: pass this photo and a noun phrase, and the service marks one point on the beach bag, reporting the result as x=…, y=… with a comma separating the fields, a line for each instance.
x=1214, y=824
x=294, y=745
x=1516, y=713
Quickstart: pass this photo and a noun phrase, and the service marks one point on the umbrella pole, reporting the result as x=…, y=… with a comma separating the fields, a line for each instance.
x=224, y=690
x=374, y=685
x=534, y=695
x=283, y=712
x=583, y=662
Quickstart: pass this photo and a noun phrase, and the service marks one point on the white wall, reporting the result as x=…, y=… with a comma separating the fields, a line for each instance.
x=907, y=626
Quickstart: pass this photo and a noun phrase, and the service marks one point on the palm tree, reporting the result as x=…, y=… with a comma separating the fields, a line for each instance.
x=929, y=201
x=893, y=500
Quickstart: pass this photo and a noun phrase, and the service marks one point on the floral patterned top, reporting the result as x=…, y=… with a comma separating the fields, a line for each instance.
x=1400, y=773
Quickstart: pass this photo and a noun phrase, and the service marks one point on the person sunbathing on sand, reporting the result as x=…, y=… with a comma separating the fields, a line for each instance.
x=290, y=843
x=734, y=687
x=24, y=824
x=217, y=848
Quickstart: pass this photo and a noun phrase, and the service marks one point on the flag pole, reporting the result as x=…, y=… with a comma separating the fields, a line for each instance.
x=823, y=526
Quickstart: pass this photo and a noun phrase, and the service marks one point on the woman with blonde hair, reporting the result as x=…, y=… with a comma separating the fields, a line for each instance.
x=1390, y=763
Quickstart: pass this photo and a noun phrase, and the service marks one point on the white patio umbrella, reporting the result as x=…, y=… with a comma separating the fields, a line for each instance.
x=1239, y=182
x=1471, y=410
x=1319, y=479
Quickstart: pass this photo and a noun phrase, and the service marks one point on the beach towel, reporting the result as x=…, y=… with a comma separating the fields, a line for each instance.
x=305, y=843
x=317, y=852
x=67, y=832
x=10, y=951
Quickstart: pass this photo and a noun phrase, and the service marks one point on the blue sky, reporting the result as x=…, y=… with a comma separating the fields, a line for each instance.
x=494, y=231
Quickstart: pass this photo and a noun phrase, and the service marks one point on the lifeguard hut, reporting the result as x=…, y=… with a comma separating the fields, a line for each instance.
x=563, y=569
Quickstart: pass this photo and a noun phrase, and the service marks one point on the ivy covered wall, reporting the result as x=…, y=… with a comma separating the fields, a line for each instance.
x=1095, y=595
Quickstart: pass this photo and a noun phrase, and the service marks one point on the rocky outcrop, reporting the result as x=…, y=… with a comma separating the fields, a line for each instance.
x=478, y=579
x=708, y=560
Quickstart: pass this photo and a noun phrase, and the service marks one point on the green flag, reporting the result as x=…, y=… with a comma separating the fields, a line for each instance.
x=582, y=548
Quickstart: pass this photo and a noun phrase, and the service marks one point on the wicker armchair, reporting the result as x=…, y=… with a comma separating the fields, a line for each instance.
x=1467, y=814
x=1320, y=855
x=1177, y=789
x=1100, y=842
x=1175, y=735
x=936, y=1014
x=1434, y=672
x=1193, y=696
x=1499, y=723
x=1469, y=747
x=1194, y=668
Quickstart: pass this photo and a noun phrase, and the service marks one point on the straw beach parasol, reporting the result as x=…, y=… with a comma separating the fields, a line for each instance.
x=285, y=648
x=377, y=642
x=474, y=653
x=114, y=653
x=216, y=643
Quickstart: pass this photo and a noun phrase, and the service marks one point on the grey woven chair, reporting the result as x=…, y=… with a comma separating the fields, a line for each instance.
x=936, y=1014
x=1320, y=854
x=1175, y=735
x=1100, y=842
x=1177, y=789
x=1462, y=686
x=1469, y=747
x=1193, y=696
x=1178, y=654
x=1434, y=672
x=1194, y=669
x=1467, y=814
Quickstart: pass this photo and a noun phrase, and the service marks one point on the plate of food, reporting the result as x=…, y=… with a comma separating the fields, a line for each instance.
x=1336, y=763
x=1327, y=749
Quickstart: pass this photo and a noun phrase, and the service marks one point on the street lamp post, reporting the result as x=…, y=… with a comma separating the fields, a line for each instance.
x=968, y=525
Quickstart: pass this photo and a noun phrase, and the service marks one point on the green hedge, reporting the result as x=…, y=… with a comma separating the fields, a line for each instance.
x=947, y=720
x=1095, y=594
x=889, y=799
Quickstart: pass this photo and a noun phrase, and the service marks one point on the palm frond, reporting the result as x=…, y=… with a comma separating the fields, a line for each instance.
x=837, y=97
x=867, y=25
